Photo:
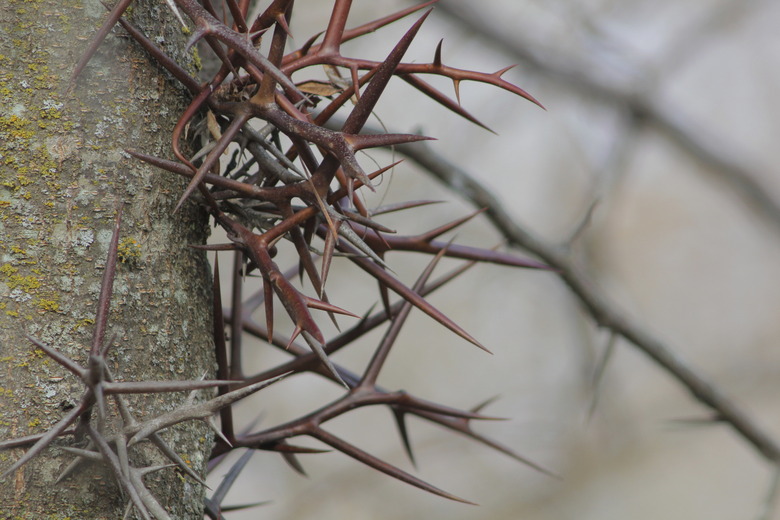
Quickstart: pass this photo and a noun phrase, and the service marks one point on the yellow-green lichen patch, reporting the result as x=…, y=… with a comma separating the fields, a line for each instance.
x=129, y=251
x=52, y=107
x=25, y=283
x=83, y=323
x=196, y=61
x=48, y=305
x=14, y=127
x=8, y=270
x=42, y=78
x=31, y=357
x=22, y=156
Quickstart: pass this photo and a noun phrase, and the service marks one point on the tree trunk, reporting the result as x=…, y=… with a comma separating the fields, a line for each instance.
x=63, y=172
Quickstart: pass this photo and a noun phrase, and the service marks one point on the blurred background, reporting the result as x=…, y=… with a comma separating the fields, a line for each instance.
x=658, y=153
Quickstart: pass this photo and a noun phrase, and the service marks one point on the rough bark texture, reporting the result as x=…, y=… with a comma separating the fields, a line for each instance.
x=62, y=173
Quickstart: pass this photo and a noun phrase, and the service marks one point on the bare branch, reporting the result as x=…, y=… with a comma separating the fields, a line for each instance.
x=603, y=311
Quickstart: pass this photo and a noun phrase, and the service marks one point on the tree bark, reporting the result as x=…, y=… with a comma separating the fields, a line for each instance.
x=63, y=173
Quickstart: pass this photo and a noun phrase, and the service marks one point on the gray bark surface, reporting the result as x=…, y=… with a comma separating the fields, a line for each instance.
x=62, y=173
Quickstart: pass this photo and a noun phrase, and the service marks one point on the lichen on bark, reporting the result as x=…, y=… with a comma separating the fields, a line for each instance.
x=63, y=173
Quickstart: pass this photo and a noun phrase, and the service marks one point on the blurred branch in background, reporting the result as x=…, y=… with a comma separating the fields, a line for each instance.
x=633, y=94
x=588, y=63
x=637, y=95
x=603, y=312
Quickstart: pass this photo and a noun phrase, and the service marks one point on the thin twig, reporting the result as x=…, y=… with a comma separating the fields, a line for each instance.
x=603, y=311
x=710, y=150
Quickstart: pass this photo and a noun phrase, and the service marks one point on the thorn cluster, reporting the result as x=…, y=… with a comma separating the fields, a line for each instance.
x=307, y=192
